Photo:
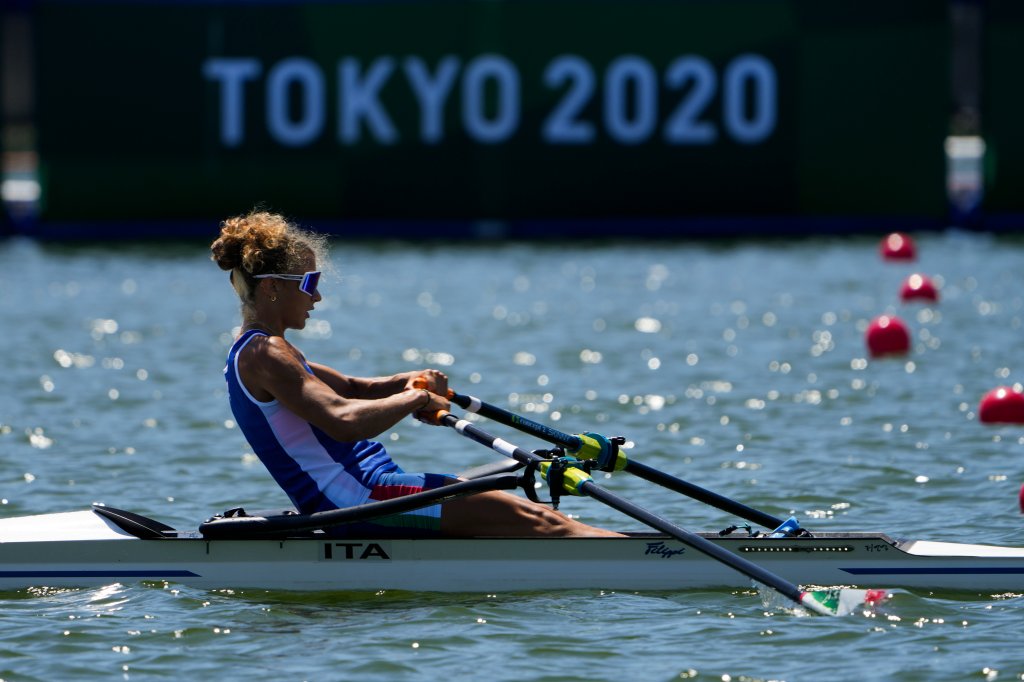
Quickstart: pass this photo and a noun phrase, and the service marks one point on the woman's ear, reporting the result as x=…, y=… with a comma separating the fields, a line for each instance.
x=267, y=286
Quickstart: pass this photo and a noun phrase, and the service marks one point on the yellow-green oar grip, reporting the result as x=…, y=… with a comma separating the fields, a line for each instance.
x=596, y=446
x=572, y=478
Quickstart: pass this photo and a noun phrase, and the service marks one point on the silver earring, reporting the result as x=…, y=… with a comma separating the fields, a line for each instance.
x=273, y=299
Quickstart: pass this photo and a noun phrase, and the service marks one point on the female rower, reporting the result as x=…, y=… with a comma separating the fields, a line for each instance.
x=311, y=425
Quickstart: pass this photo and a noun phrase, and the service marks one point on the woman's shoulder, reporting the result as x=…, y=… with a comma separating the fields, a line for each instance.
x=272, y=350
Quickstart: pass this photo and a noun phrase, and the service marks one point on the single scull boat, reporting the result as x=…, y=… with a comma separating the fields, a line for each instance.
x=106, y=545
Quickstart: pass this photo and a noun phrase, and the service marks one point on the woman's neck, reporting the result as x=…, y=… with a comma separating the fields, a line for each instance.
x=256, y=325
x=263, y=316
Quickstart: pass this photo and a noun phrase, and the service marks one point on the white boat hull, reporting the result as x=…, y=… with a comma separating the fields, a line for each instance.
x=79, y=549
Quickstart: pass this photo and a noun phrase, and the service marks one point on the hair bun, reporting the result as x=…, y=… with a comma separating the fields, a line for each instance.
x=227, y=251
x=262, y=242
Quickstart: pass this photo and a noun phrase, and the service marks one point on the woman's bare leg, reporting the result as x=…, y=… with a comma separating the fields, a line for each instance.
x=501, y=514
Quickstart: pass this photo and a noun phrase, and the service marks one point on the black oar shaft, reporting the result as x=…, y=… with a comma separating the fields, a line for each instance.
x=572, y=443
x=480, y=436
x=516, y=421
x=702, y=495
x=751, y=570
x=595, y=491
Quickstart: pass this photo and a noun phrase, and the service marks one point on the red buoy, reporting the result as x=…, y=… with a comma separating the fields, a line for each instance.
x=918, y=287
x=898, y=246
x=1002, y=405
x=887, y=335
x=1020, y=498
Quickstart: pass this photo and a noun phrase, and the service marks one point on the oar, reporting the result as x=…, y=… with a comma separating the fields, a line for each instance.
x=598, y=447
x=239, y=527
x=577, y=482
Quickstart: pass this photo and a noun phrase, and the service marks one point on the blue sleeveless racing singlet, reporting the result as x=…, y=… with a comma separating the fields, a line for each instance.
x=317, y=472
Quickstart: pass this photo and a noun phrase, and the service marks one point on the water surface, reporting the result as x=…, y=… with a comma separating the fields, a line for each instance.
x=738, y=366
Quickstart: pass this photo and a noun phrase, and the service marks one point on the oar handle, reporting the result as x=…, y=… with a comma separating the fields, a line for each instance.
x=423, y=415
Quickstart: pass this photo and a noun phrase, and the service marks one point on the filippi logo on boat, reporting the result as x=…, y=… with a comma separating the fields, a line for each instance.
x=661, y=549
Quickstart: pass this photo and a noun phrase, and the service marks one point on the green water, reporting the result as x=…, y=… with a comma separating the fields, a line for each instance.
x=740, y=367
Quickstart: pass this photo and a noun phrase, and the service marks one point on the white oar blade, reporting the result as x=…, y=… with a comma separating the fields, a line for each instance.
x=841, y=601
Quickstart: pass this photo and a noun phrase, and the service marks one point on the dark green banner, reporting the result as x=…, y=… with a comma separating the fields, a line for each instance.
x=1003, y=114
x=517, y=110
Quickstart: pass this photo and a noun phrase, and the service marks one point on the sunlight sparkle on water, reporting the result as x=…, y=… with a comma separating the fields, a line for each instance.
x=759, y=356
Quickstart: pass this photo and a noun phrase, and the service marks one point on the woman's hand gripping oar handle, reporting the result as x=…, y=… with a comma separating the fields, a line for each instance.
x=610, y=457
x=425, y=415
x=577, y=482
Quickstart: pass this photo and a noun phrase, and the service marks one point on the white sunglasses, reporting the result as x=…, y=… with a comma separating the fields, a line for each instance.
x=307, y=281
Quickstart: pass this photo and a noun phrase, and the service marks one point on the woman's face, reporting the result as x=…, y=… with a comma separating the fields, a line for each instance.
x=297, y=303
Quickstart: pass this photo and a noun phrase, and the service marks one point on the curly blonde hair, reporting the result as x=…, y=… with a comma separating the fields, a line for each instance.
x=259, y=243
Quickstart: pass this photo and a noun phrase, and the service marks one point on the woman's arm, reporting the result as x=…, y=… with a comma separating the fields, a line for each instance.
x=374, y=388
x=271, y=368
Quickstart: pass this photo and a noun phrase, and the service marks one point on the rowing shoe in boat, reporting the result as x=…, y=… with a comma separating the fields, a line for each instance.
x=104, y=545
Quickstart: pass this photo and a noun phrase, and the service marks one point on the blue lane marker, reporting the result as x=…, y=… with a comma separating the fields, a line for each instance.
x=933, y=571
x=99, y=574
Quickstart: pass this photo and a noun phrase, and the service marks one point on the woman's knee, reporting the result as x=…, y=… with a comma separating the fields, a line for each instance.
x=503, y=514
